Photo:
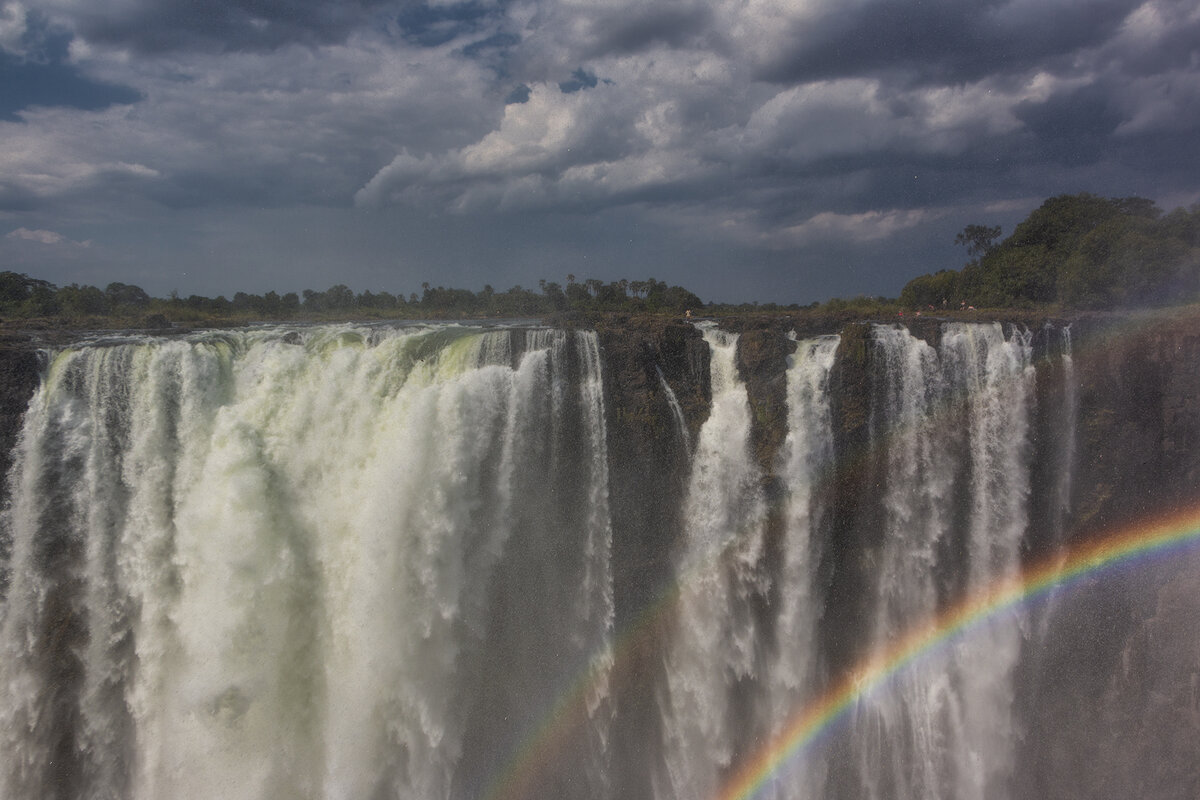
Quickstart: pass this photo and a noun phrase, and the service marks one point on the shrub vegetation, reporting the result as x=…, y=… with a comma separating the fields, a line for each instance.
x=1074, y=251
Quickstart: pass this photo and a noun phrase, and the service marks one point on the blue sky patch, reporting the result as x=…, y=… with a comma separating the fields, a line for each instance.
x=580, y=79
x=44, y=77
x=430, y=26
x=518, y=95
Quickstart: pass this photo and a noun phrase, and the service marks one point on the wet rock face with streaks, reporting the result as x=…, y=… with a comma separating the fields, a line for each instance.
x=20, y=369
x=1113, y=437
x=646, y=448
x=1138, y=456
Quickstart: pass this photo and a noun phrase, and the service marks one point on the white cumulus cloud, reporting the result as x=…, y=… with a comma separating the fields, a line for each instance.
x=42, y=236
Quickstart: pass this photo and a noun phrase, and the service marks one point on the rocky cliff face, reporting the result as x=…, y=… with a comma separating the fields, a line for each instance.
x=1119, y=639
x=1109, y=674
x=648, y=470
x=20, y=369
x=1138, y=384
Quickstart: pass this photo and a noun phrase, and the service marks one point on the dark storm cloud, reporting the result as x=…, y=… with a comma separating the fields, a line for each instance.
x=498, y=41
x=779, y=132
x=54, y=85
x=16, y=198
x=633, y=30
x=1073, y=128
x=943, y=41
x=1173, y=153
x=1175, y=41
x=156, y=26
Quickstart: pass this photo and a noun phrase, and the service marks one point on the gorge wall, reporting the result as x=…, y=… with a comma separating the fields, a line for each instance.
x=710, y=525
x=1112, y=708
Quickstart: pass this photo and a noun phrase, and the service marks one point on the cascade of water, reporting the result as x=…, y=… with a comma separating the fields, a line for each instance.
x=898, y=735
x=596, y=608
x=997, y=377
x=1069, y=423
x=1063, y=470
x=713, y=644
x=676, y=412
x=346, y=562
x=805, y=463
x=944, y=727
x=260, y=564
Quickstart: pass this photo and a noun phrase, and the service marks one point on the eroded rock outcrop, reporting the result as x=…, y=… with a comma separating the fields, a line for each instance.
x=649, y=462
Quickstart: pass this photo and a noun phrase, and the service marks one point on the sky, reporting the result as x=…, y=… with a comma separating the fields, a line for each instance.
x=750, y=150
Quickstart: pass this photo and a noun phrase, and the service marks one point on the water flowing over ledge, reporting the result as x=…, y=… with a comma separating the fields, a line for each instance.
x=453, y=562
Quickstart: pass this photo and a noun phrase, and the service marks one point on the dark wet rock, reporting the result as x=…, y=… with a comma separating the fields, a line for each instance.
x=762, y=362
x=647, y=454
x=20, y=373
x=1114, y=666
x=648, y=472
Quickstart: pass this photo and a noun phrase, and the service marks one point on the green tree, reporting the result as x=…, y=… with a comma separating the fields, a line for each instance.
x=125, y=296
x=553, y=293
x=18, y=289
x=82, y=300
x=978, y=239
x=339, y=296
x=1081, y=250
x=940, y=290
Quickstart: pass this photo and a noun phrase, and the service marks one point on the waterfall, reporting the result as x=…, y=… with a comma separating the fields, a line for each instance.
x=806, y=462
x=713, y=647
x=944, y=728
x=948, y=430
x=899, y=735
x=377, y=562
x=1064, y=419
x=1068, y=424
x=676, y=411
x=997, y=376
x=266, y=563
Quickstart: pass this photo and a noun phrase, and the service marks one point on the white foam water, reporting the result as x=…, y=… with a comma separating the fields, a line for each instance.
x=258, y=564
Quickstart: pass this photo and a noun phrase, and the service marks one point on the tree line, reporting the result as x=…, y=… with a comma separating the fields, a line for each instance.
x=24, y=297
x=1075, y=251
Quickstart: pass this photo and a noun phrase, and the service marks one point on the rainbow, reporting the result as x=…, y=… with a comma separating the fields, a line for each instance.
x=548, y=739
x=573, y=709
x=1163, y=534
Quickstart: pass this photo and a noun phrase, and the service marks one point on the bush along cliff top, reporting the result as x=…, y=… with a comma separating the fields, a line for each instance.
x=31, y=302
x=1074, y=251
